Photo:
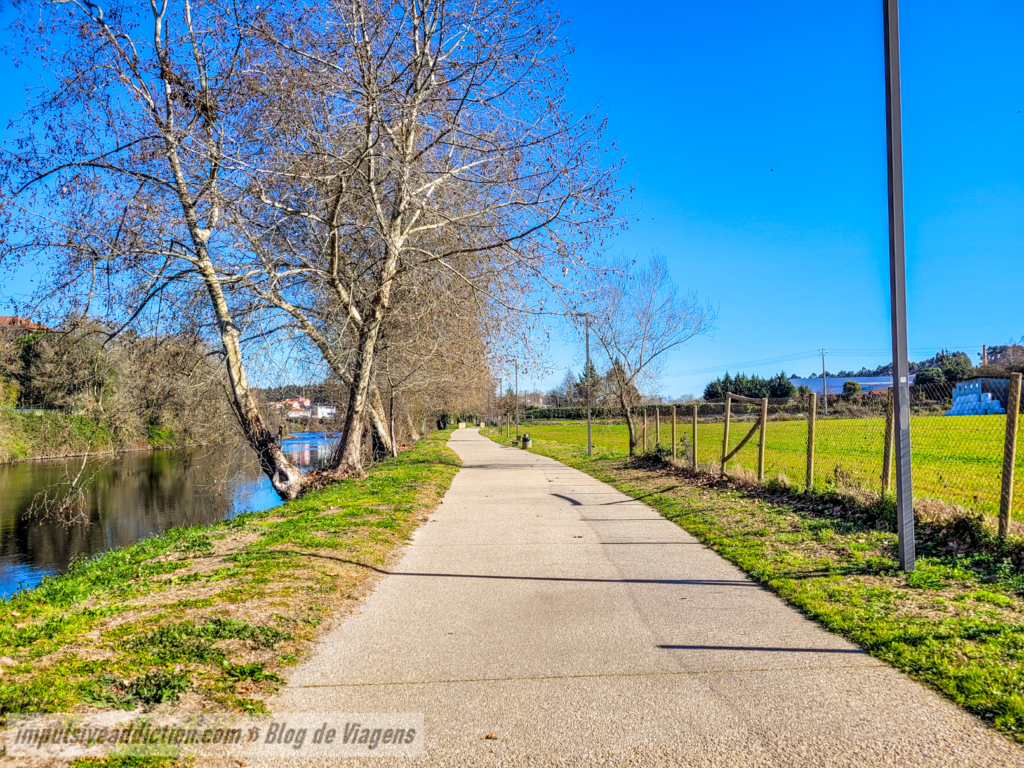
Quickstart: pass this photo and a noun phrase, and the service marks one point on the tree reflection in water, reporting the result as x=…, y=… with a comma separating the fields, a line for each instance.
x=129, y=498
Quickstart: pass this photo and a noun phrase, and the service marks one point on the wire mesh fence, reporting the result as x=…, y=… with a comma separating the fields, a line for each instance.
x=958, y=438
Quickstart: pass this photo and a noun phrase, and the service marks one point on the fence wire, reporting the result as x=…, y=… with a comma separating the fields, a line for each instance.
x=958, y=433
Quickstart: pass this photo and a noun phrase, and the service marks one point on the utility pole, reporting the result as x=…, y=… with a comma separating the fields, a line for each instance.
x=824, y=379
x=517, y=399
x=586, y=376
x=898, y=289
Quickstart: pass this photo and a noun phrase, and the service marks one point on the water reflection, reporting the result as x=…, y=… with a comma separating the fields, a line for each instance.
x=132, y=497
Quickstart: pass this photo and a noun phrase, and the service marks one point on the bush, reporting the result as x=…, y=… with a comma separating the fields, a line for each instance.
x=158, y=687
x=955, y=366
x=8, y=394
x=572, y=413
x=851, y=388
x=930, y=376
x=991, y=371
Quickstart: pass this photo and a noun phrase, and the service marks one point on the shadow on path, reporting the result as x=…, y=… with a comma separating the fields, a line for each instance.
x=757, y=648
x=698, y=582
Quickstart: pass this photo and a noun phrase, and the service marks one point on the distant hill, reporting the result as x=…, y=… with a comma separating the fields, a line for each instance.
x=886, y=370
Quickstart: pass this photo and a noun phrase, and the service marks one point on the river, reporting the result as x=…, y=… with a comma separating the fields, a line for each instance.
x=130, y=497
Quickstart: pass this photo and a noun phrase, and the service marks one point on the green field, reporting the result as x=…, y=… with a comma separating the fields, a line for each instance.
x=956, y=459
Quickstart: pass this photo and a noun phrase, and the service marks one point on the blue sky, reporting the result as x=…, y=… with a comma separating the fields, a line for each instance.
x=706, y=98
x=755, y=135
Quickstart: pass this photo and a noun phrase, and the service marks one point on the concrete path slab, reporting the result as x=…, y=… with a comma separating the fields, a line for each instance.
x=576, y=626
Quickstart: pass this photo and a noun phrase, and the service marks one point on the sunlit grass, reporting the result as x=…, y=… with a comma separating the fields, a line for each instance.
x=156, y=611
x=955, y=459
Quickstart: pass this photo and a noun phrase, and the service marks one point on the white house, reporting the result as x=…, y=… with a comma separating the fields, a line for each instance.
x=324, y=412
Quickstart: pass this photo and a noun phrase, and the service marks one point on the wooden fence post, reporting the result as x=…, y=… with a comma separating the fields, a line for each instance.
x=812, y=407
x=760, y=445
x=657, y=427
x=673, y=433
x=693, y=459
x=1009, y=454
x=725, y=432
x=645, y=430
x=890, y=438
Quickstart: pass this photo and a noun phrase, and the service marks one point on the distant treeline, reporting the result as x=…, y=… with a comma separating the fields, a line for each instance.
x=955, y=366
x=778, y=386
x=318, y=393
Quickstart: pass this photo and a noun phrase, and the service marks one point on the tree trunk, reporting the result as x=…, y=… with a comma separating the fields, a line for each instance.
x=378, y=450
x=391, y=424
x=630, y=426
x=414, y=436
x=349, y=457
x=382, y=431
x=376, y=412
x=284, y=476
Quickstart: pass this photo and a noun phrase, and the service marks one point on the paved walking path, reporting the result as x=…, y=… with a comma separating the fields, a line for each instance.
x=576, y=626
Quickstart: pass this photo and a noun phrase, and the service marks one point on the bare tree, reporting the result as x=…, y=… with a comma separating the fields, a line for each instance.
x=266, y=172
x=125, y=168
x=433, y=146
x=637, y=320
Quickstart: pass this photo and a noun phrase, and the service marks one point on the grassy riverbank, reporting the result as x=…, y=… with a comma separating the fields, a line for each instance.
x=956, y=623
x=56, y=434
x=207, y=618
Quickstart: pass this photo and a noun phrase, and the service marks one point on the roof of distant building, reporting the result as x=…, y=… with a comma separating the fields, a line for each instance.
x=835, y=383
x=13, y=321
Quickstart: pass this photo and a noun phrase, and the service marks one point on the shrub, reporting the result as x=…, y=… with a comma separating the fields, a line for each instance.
x=851, y=388
x=930, y=376
x=8, y=393
x=955, y=366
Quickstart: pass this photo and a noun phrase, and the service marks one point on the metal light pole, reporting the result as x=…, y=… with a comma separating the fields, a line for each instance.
x=898, y=289
x=824, y=382
x=586, y=375
x=517, y=399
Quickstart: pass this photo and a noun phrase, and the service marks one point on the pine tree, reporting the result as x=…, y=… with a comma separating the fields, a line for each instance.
x=589, y=383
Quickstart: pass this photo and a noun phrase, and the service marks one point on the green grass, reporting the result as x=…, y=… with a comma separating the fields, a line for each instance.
x=140, y=626
x=31, y=435
x=957, y=460
x=26, y=435
x=956, y=623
